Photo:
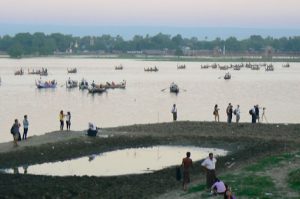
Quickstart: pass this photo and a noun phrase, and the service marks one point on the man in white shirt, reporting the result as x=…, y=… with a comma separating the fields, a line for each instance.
x=209, y=164
x=174, y=112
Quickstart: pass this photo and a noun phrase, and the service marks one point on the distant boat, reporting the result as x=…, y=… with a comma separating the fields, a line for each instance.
x=227, y=76
x=46, y=84
x=154, y=69
x=71, y=83
x=181, y=66
x=223, y=67
x=19, y=72
x=174, y=88
x=120, y=67
x=113, y=85
x=83, y=84
x=43, y=72
x=72, y=70
x=287, y=65
x=255, y=67
x=269, y=67
x=96, y=90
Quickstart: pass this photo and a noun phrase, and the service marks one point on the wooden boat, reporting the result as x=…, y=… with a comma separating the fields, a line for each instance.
x=181, y=66
x=227, y=76
x=174, y=88
x=43, y=72
x=287, y=65
x=269, y=67
x=19, y=72
x=155, y=69
x=120, y=67
x=223, y=67
x=71, y=84
x=83, y=84
x=96, y=89
x=47, y=84
x=204, y=66
x=72, y=70
x=113, y=85
x=255, y=67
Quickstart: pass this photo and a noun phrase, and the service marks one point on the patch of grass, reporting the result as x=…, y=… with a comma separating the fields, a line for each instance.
x=251, y=186
x=197, y=188
x=294, y=180
x=269, y=162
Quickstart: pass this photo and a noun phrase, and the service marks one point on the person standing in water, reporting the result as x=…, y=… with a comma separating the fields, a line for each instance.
x=68, y=120
x=174, y=112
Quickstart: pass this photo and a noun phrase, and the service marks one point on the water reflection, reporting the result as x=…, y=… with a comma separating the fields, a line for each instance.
x=120, y=162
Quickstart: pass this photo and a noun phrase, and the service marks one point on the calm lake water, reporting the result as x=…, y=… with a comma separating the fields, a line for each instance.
x=142, y=101
x=134, y=161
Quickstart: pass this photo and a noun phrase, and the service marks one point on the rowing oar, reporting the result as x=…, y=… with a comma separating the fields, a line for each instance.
x=164, y=89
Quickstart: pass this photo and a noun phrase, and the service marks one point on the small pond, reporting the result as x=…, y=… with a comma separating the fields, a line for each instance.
x=119, y=162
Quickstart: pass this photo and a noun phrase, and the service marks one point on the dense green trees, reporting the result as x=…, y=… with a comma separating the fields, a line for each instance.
x=37, y=44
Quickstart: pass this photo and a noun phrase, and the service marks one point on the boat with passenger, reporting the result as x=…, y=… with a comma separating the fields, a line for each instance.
x=46, y=84
x=120, y=67
x=19, y=72
x=181, y=66
x=83, y=84
x=154, y=69
x=113, y=85
x=174, y=88
x=71, y=83
x=72, y=70
x=227, y=76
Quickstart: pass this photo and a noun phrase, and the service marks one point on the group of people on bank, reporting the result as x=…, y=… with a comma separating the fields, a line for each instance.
x=213, y=184
x=254, y=112
x=62, y=118
x=15, y=130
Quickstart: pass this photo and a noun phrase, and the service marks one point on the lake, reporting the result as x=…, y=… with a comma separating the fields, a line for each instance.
x=142, y=101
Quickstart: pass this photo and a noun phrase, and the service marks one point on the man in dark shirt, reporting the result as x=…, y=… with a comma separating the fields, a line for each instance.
x=229, y=113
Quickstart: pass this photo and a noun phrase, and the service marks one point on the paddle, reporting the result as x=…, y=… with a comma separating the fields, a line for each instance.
x=164, y=89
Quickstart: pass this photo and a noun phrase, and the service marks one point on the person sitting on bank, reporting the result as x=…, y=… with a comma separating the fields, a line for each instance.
x=218, y=187
x=92, y=131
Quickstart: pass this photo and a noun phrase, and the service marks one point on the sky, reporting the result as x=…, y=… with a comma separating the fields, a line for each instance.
x=72, y=16
x=208, y=13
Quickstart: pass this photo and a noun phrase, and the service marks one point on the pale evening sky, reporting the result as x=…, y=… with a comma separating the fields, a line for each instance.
x=197, y=13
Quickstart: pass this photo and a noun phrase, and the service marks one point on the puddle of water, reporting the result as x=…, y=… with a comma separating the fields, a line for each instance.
x=120, y=162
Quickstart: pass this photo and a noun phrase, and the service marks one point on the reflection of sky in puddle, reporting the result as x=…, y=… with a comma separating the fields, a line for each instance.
x=120, y=162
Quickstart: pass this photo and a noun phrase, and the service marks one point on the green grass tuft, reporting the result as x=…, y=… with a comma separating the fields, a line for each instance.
x=294, y=180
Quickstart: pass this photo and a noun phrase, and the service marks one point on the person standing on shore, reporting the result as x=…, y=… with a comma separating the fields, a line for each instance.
x=25, y=127
x=61, y=120
x=237, y=113
x=229, y=113
x=257, y=112
x=68, y=120
x=216, y=113
x=253, y=115
x=174, y=112
x=264, y=115
x=15, y=132
x=209, y=165
x=187, y=164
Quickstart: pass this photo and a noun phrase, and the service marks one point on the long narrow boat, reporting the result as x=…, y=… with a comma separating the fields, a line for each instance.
x=96, y=90
x=113, y=85
x=47, y=84
x=72, y=70
x=155, y=69
x=71, y=84
x=19, y=72
x=227, y=76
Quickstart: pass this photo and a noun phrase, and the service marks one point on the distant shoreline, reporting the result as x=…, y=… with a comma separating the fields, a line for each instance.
x=167, y=58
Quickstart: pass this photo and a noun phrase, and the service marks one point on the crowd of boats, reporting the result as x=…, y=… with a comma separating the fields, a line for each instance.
x=41, y=72
x=252, y=66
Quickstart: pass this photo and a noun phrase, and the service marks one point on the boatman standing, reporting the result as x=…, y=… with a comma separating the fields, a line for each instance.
x=209, y=164
x=174, y=112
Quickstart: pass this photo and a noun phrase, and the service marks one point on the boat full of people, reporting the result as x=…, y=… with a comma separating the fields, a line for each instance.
x=151, y=69
x=269, y=67
x=72, y=70
x=46, y=84
x=96, y=89
x=174, y=88
x=43, y=72
x=71, y=83
x=120, y=67
x=183, y=66
x=113, y=85
x=287, y=65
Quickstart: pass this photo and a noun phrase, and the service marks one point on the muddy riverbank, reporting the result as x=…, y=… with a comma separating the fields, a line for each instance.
x=247, y=144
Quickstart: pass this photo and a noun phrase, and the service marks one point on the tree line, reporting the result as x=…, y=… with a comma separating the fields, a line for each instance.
x=40, y=44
